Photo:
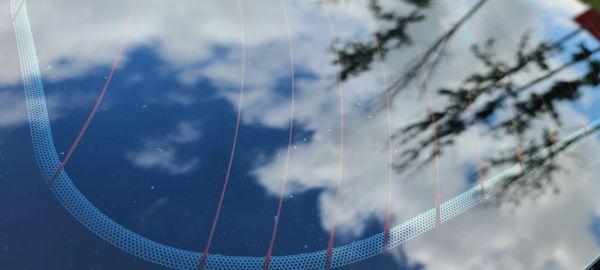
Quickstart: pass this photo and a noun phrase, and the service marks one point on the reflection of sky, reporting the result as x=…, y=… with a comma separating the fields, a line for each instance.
x=155, y=156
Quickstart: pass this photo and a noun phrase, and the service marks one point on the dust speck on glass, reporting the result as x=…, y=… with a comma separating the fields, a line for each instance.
x=288, y=134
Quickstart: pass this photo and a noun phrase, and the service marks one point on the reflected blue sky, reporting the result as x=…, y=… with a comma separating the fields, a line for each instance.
x=156, y=154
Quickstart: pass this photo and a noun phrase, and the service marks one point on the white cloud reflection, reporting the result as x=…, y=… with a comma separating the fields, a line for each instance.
x=162, y=153
x=13, y=113
x=550, y=233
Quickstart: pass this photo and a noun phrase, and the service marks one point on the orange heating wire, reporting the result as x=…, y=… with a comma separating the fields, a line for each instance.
x=215, y=221
x=100, y=98
x=384, y=76
x=511, y=112
x=284, y=180
x=544, y=105
x=341, y=140
x=425, y=82
x=551, y=127
x=480, y=173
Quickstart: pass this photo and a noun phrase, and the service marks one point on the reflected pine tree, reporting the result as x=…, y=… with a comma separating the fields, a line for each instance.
x=358, y=57
x=484, y=98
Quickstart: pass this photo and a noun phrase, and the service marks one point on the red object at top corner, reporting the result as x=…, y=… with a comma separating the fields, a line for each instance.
x=590, y=21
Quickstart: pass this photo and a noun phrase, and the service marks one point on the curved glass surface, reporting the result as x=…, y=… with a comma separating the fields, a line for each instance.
x=288, y=134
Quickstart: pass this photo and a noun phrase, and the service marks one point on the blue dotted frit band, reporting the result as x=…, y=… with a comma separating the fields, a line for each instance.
x=117, y=235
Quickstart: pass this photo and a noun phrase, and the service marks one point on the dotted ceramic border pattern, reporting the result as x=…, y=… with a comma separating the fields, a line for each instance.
x=117, y=235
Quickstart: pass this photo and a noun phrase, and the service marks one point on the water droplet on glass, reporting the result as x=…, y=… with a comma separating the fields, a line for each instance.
x=48, y=67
